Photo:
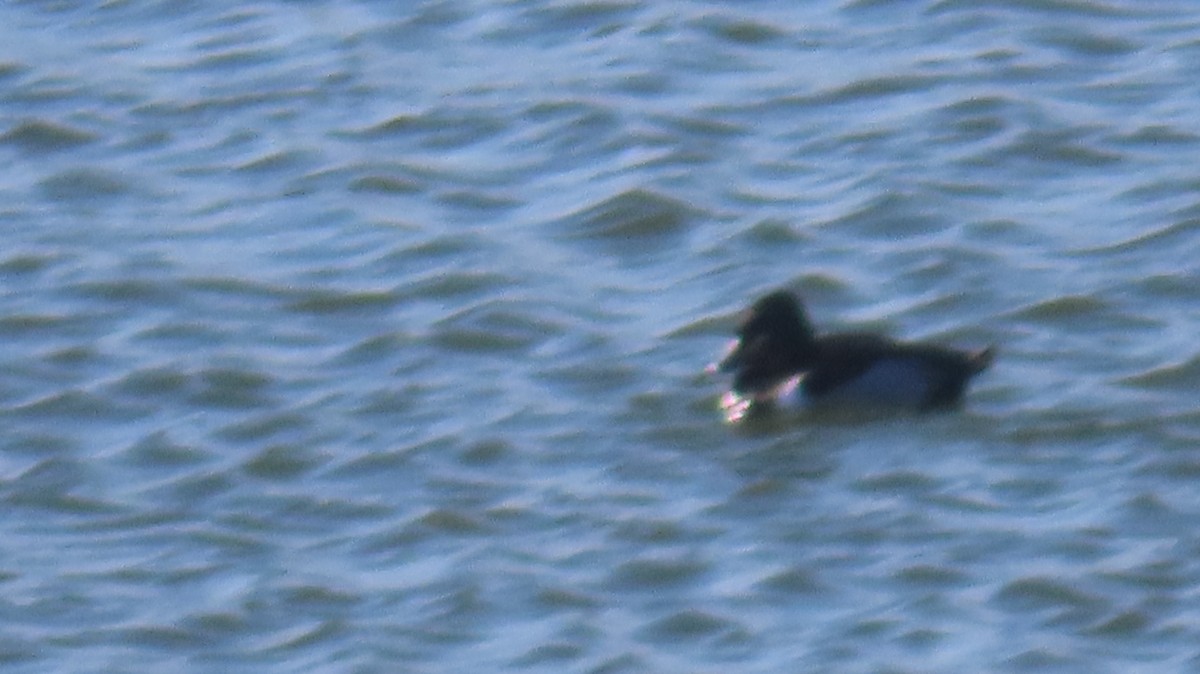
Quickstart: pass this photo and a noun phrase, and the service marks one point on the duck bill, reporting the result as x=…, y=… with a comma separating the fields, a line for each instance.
x=730, y=358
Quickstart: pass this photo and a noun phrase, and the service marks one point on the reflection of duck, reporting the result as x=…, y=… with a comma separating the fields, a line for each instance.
x=779, y=358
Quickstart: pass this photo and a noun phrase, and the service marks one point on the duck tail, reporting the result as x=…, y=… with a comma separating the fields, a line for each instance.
x=982, y=359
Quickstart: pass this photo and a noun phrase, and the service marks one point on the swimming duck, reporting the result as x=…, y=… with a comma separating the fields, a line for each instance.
x=778, y=358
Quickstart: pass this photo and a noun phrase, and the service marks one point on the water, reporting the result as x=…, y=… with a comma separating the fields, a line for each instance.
x=356, y=337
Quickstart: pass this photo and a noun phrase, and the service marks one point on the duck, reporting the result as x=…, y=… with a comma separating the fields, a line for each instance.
x=779, y=359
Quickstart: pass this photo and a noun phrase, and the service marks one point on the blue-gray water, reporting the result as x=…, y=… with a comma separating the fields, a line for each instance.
x=369, y=337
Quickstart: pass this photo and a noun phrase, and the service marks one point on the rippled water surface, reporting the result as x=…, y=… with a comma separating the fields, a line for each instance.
x=369, y=337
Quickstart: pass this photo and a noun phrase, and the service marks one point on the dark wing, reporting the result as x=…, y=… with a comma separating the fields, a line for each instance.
x=847, y=356
x=844, y=357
